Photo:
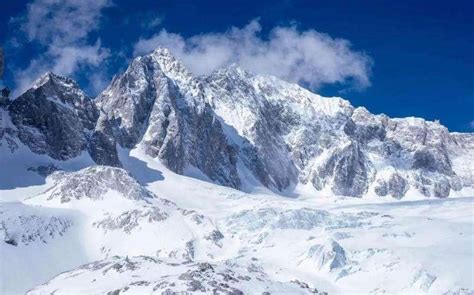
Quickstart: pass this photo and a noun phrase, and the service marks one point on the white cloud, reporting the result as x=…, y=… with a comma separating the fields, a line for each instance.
x=71, y=57
x=61, y=28
x=307, y=57
x=62, y=21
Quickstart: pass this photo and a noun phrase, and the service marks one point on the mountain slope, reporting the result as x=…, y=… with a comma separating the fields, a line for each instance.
x=158, y=103
x=140, y=275
x=96, y=212
x=53, y=117
x=233, y=124
x=124, y=237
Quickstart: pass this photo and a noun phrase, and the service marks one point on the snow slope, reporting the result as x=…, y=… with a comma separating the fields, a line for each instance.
x=203, y=237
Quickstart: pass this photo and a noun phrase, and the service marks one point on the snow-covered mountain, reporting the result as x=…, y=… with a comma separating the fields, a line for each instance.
x=241, y=129
x=230, y=183
x=233, y=124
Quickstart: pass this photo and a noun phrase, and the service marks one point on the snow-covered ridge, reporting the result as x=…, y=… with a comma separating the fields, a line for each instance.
x=53, y=78
x=95, y=182
x=173, y=68
x=149, y=275
x=240, y=129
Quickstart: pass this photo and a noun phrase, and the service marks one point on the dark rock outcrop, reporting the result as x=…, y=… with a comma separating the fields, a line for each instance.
x=54, y=117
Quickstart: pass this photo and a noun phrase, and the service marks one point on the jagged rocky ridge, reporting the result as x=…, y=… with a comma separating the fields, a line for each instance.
x=54, y=117
x=233, y=124
x=146, y=274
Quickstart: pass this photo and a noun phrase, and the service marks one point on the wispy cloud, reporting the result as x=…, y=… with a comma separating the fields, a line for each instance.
x=471, y=125
x=151, y=21
x=308, y=57
x=62, y=29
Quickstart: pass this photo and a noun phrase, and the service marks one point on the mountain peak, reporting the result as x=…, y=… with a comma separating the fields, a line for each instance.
x=174, y=69
x=163, y=51
x=165, y=58
x=170, y=65
x=52, y=78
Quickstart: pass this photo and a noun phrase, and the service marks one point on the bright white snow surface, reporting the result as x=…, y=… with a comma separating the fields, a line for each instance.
x=341, y=246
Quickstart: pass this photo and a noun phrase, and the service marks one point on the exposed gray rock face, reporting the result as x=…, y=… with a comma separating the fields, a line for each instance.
x=434, y=185
x=263, y=150
x=159, y=104
x=349, y=170
x=54, y=117
x=128, y=101
x=432, y=160
x=461, y=153
x=416, y=153
x=396, y=186
x=103, y=144
x=8, y=132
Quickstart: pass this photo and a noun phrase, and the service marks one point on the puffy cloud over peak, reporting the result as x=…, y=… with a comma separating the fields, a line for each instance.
x=307, y=57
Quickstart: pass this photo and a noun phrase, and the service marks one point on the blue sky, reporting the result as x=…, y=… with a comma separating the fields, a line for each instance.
x=402, y=58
